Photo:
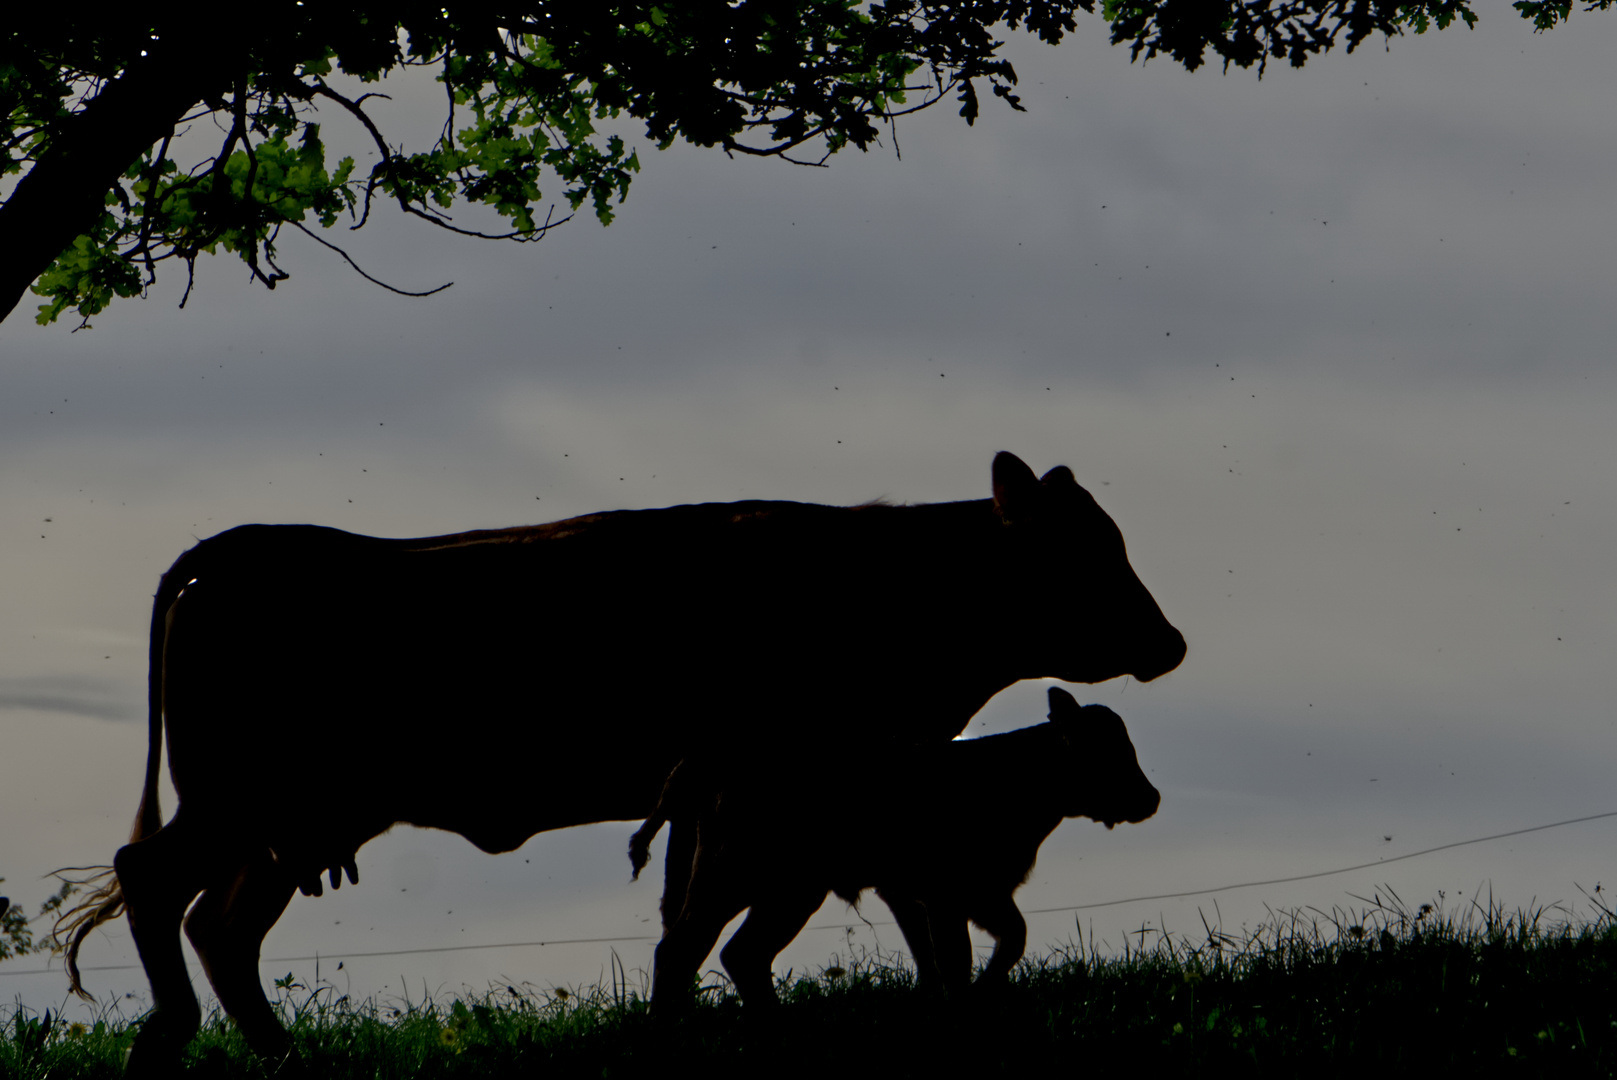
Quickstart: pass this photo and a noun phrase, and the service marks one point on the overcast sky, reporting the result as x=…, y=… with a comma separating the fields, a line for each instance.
x=1333, y=348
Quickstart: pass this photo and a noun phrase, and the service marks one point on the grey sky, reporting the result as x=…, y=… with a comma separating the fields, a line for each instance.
x=1333, y=348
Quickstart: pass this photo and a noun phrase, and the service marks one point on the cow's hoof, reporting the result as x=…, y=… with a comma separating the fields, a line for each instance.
x=155, y=1054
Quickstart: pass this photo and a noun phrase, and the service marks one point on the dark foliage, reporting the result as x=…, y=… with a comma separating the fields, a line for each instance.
x=97, y=106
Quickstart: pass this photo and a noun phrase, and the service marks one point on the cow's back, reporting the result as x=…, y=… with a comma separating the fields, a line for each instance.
x=432, y=675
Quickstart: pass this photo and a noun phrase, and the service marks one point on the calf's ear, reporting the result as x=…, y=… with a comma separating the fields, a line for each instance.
x=1060, y=476
x=1015, y=487
x=1063, y=706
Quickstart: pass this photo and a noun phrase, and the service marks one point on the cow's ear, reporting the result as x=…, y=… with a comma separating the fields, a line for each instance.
x=1015, y=487
x=1060, y=476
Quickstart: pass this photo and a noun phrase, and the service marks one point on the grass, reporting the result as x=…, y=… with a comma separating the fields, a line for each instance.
x=1384, y=987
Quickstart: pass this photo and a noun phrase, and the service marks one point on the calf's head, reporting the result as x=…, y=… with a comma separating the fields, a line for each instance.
x=1105, y=783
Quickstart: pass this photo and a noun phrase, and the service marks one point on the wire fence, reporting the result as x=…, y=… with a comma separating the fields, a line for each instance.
x=842, y=925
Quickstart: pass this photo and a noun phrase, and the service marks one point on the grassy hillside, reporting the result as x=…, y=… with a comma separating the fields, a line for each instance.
x=1384, y=989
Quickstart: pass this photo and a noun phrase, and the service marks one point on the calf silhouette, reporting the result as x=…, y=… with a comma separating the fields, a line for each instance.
x=951, y=845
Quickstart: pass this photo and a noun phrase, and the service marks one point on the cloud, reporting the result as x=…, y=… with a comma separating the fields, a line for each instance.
x=98, y=699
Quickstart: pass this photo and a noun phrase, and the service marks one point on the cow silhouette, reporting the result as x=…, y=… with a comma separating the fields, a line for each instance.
x=318, y=687
x=950, y=841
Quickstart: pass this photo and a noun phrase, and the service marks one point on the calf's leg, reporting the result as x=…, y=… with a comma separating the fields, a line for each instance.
x=680, y=953
x=1002, y=919
x=710, y=899
x=770, y=926
x=951, y=943
x=911, y=916
x=678, y=863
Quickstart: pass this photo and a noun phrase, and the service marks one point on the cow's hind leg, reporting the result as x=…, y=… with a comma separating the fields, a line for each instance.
x=770, y=926
x=227, y=925
x=160, y=876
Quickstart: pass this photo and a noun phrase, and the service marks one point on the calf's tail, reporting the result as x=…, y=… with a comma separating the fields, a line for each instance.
x=640, y=843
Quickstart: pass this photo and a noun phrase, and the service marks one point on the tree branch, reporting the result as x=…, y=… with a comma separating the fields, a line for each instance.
x=143, y=243
x=62, y=195
x=402, y=292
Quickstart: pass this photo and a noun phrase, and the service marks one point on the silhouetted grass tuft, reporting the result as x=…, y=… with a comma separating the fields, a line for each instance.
x=1382, y=987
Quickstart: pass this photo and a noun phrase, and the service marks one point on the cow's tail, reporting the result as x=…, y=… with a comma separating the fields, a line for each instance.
x=105, y=900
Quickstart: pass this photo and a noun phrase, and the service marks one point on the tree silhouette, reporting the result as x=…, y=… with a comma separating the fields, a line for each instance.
x=96, y=106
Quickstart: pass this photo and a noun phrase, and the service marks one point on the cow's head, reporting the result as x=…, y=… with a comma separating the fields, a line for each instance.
x=1094, y=620
x=1104, y=781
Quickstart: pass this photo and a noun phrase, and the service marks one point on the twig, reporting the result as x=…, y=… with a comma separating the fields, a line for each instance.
x=402, y=292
